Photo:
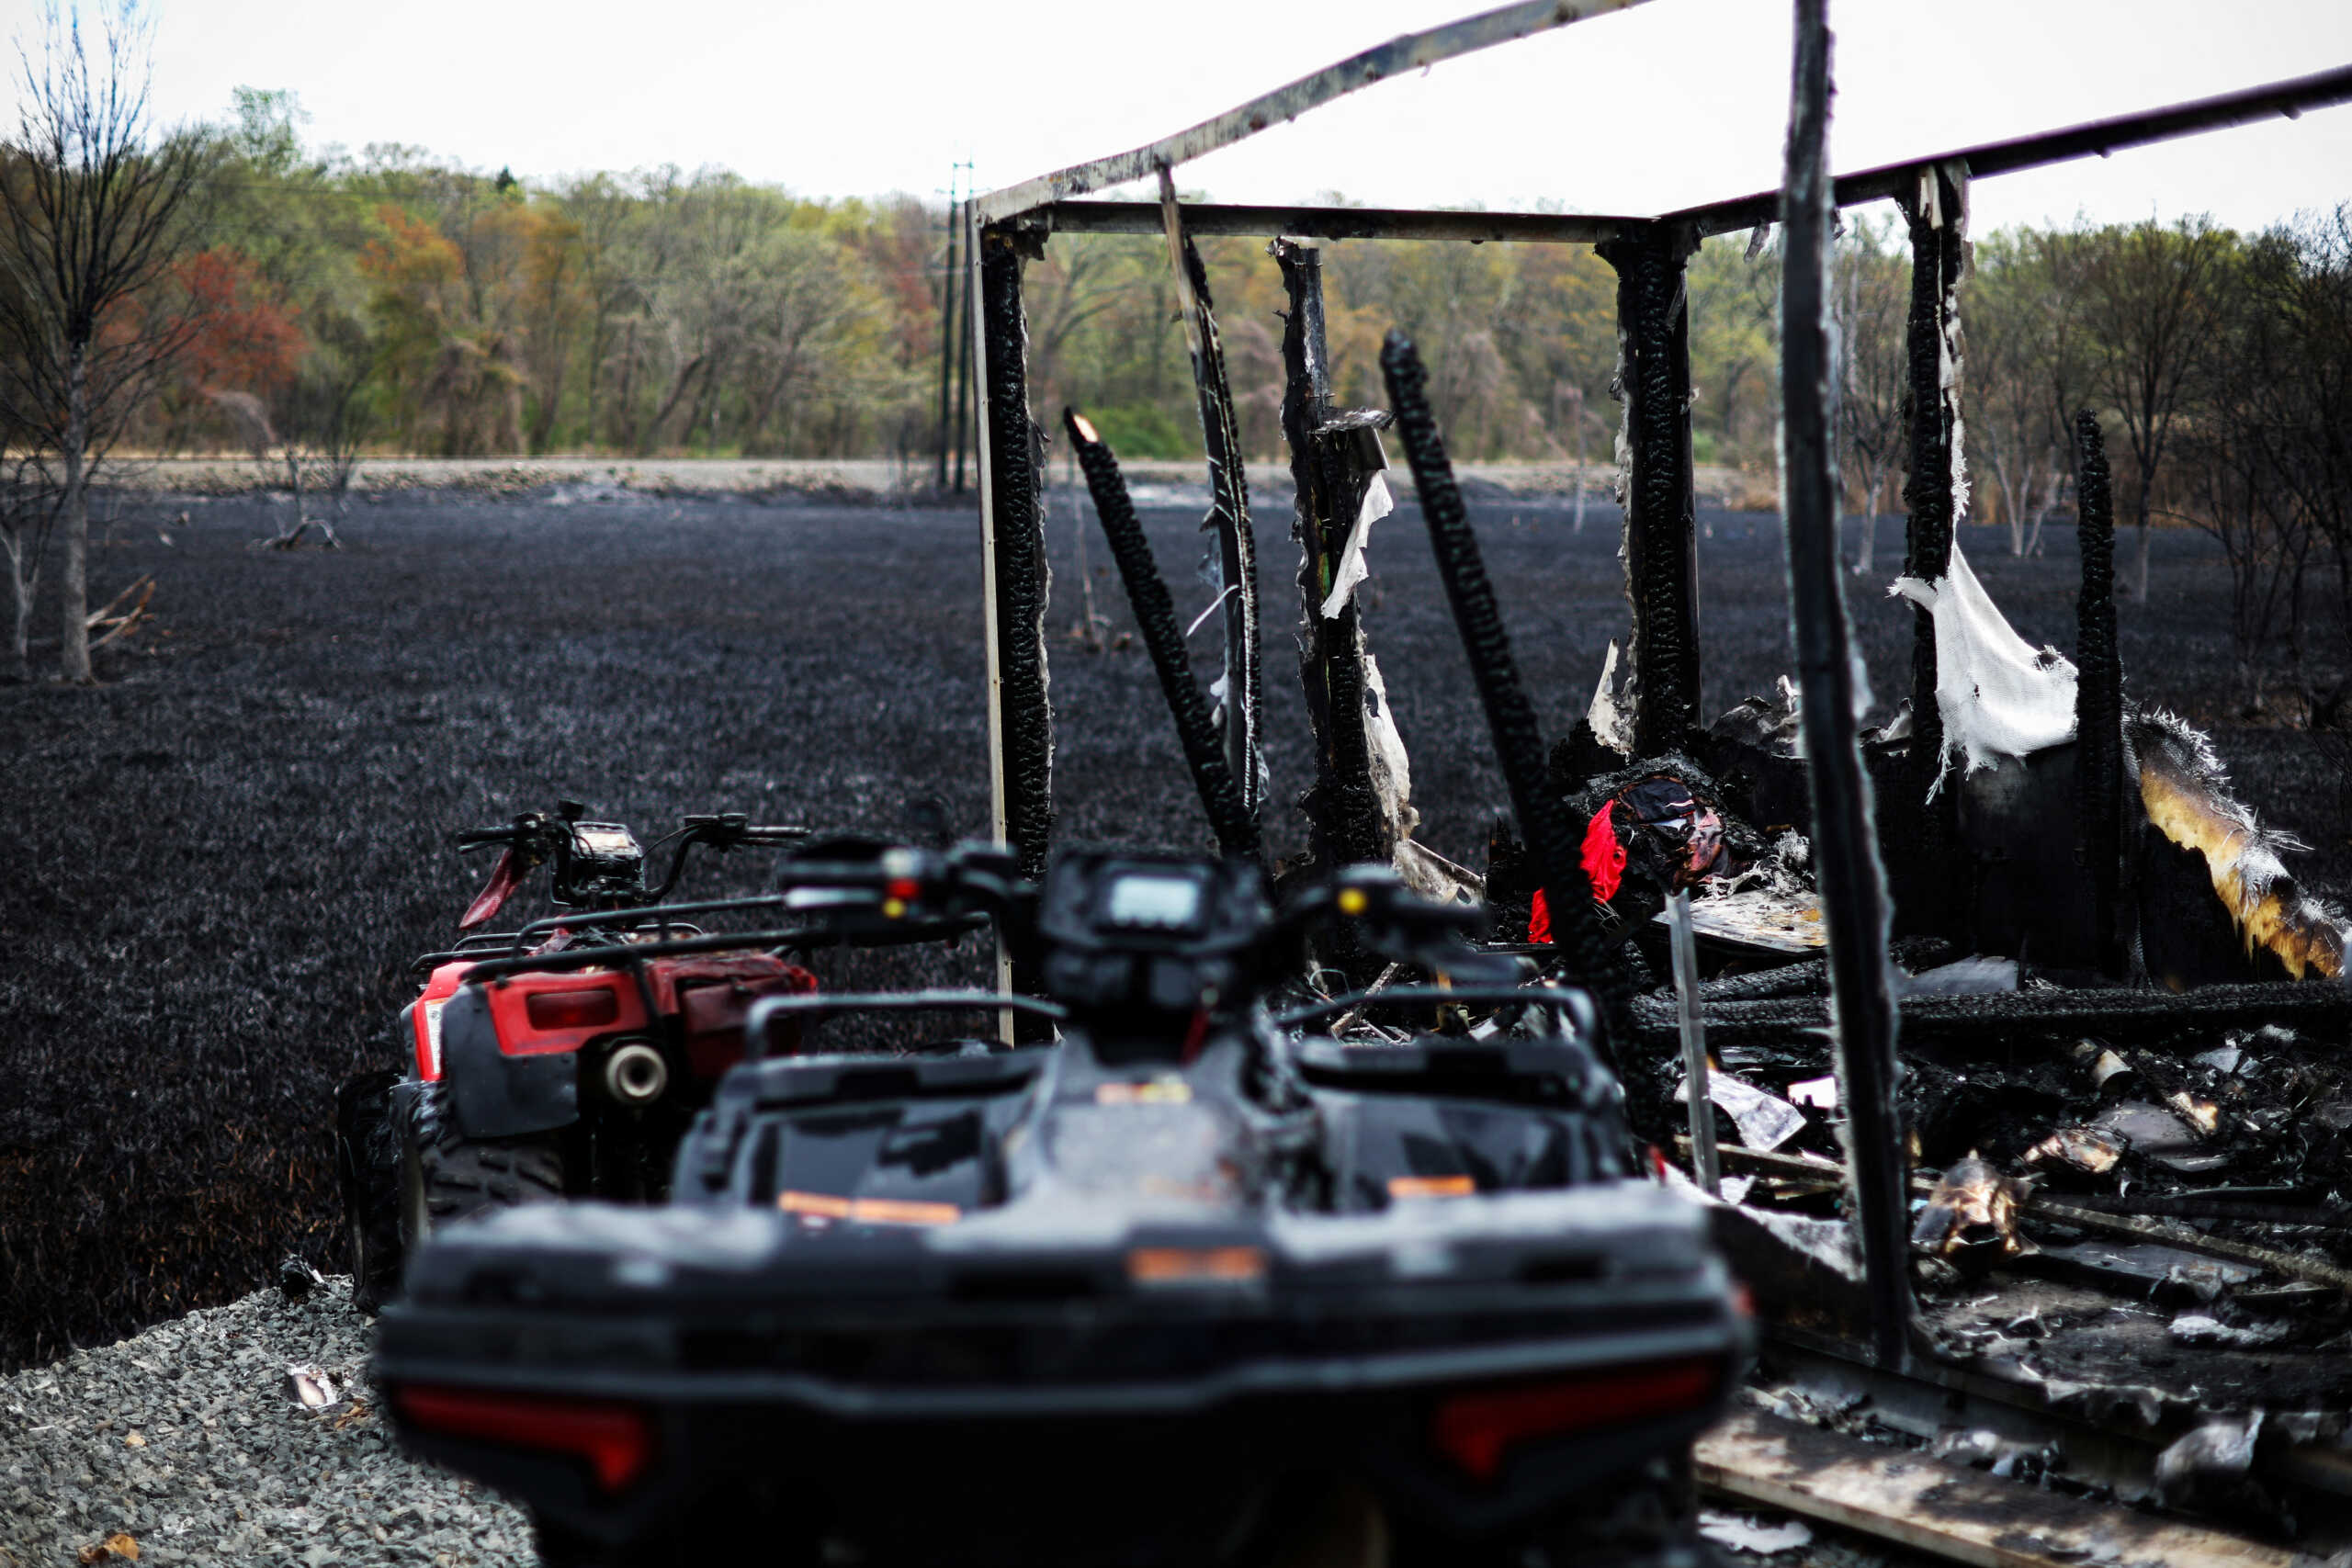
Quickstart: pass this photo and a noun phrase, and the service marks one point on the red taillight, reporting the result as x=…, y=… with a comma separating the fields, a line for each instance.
x=616, y=1441
x=1478, y=1429
x=904, y=887
x=572, y=1009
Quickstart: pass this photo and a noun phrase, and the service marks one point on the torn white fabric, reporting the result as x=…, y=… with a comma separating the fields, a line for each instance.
x=1392, y=770
x=1997, y=695
x=1611, y=725
x=1377, y=505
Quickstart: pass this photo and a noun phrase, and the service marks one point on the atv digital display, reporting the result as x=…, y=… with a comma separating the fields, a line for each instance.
x=1153, y=902
x=604, y=842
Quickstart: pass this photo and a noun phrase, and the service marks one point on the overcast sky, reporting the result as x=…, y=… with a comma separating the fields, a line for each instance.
x=1676, y=102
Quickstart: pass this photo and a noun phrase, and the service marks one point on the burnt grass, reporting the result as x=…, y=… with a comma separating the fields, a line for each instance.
x=221, y=861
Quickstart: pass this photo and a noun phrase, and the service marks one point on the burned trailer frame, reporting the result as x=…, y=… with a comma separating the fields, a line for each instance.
x=1649, y=253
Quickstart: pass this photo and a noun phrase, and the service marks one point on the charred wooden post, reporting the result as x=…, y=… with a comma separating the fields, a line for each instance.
x=1244, y=700
x=1937, y=214
x=1518, y=744
x=1845, y=845
x=1163, y=639
x=1661, y=498
x=1936, y=892
x=2098, y=695
x=1333, y=473
x=1021, y=723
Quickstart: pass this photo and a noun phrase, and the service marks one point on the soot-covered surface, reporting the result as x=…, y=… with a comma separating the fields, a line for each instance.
x=220, y=861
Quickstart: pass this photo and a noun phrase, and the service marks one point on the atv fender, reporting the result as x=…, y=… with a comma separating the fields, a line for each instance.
x=497, y=1095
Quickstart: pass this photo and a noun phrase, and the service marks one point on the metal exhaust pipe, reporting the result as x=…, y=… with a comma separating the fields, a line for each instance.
x=635, y=1074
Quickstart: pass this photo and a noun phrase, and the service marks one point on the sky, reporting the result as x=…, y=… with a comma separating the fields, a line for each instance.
x=1671, y=104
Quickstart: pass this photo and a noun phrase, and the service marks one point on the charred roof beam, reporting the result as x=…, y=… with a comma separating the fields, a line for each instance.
x=2098, y=138
x=1409, y=51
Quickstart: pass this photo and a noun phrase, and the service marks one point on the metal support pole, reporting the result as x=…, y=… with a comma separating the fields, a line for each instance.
x=1014, y=576
x=1853, y=886
x=1692, y=1025
x=1330, y=469
x=1661, y=496
x=2099, y=696
x=948, y=335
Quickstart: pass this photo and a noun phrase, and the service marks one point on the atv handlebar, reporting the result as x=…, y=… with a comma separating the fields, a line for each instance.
x=755, y=1026
x=1575, y=1004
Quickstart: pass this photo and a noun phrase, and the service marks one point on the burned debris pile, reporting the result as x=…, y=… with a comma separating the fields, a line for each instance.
x=1992, y=1028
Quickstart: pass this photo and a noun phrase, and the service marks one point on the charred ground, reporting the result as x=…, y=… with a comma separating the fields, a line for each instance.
x=222, y=860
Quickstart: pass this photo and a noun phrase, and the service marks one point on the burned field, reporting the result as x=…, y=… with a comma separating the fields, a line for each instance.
x=225, y=857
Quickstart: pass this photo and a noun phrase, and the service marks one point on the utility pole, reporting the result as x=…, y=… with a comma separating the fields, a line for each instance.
x=946, y=334
x=964, y=335
x=950, y=332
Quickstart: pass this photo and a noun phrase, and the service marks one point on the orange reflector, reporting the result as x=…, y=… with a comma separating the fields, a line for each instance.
x=1153, y=1091
x=1475, y=1429
x=868, y=1211
x=616, y=1441
x=1431, y=1187
x=572, y=1009
x=1186, y=1265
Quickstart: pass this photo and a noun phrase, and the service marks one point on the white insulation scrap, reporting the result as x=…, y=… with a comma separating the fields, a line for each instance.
x=1377, y=505
x=1424, y=870
x=1611, y=722
x=1998, y=695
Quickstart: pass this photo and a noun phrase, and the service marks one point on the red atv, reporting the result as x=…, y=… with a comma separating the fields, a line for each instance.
x=568, y=1057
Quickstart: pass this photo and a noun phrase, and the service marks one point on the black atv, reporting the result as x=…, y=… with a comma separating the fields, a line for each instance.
x=568, y=1057
x=1191, y=1287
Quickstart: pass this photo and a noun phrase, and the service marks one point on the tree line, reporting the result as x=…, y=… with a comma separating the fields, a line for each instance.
x=227, y=287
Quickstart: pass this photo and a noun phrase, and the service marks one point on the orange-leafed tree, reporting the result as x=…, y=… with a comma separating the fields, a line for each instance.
x=448, y=364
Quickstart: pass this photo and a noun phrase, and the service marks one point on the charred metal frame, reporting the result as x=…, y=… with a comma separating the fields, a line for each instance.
x=1648, y=253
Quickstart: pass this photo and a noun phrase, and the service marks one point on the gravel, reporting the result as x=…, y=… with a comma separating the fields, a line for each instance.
x=186, y=1441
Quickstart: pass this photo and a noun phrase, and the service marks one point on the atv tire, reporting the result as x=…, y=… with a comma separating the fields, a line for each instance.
x=446, y=1176
x=368, y=1171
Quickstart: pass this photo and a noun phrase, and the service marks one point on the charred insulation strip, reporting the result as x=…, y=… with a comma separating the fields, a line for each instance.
x=1519, y=745
x=1343, y=813
x=2186, y=793
x=1844, y=844
x=1661, y=498
x=1021, y=579
x=1244, y=695
x=1163, y=637
x=2098, y=694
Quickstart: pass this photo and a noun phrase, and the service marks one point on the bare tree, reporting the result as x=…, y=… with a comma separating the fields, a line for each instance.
x=2149, y=311
x=327, y=414
x=2014, y=430
x=28, y=512
x=94, y=211
x=1872, y=295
